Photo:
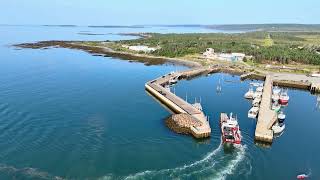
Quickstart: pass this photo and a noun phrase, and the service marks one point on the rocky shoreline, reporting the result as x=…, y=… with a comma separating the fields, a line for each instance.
x=107, y=52
x=182, y=123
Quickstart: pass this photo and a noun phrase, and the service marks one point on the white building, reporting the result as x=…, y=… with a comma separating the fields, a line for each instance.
x=144, y=49
x=210, y=54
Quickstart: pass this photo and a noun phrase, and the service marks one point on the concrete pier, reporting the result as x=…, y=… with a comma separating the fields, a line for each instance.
x=177, y=104
x=267, y=117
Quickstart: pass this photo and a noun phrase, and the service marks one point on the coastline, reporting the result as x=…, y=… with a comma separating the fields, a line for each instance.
x=108, y=52
x=298, y=81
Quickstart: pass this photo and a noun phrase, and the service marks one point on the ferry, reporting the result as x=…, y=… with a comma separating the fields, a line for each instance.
x=284, y=98
x=253, y=112
x=230, y=130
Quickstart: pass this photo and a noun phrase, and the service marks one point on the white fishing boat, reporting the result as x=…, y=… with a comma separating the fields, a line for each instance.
x=278, y=128
x=256, y=84
x=259, y=89
x=249, y=94
x=275, y=97
x=276, y=90
x=257, y=95
x=173, y=81
x=253, y=112
x=256, y=102
x=197, y=105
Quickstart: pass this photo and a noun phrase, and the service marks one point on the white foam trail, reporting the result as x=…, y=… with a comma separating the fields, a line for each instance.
x=228, y=170
x=179, y=171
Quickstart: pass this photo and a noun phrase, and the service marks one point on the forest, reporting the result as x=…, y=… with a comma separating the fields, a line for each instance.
x=282, y=47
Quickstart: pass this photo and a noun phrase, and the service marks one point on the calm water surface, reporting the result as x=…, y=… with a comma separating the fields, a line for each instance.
x=67, y=114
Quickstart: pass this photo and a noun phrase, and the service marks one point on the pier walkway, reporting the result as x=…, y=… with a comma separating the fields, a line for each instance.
x=177, y=104
x=267, y=117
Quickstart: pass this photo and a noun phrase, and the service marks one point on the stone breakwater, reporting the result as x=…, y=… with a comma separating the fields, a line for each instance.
x=182, y=123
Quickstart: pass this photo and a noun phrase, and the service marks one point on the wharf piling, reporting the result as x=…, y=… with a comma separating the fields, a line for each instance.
x=178, y=105
x=267, y=117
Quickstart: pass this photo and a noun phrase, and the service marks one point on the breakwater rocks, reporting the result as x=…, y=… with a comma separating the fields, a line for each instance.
x=182, y=123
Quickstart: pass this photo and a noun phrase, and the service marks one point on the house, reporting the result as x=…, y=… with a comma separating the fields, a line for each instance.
x=144, y=49
x=210, y=54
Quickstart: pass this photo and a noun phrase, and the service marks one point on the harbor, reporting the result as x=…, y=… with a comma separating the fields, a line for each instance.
x=263, y=108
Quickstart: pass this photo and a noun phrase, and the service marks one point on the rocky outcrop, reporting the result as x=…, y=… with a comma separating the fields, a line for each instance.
x=182, y=123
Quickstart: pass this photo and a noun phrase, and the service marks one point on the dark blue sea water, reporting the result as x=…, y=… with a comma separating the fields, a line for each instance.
x=65, y=114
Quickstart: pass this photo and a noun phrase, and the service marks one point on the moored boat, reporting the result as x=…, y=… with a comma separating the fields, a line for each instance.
x=230, y=130
x=276, y=90
x=253, y=112
x=257, y=95
x=281, y=117
x=259, y=89
x=249, y=94
x=256, y=102
x=278, y=128
x=275, y=97
x=284, y=98
x=173, y=81
x=276, y=106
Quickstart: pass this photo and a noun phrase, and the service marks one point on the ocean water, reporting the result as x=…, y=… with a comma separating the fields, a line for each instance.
x=65, y=114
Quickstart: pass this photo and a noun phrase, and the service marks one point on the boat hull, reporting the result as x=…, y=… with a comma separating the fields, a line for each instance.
x=283, y=101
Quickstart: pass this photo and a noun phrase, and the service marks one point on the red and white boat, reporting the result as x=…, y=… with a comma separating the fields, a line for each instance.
x=284, y=98
x=230, y=130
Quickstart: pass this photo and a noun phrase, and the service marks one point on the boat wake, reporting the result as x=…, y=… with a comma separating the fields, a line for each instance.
x=215, y=165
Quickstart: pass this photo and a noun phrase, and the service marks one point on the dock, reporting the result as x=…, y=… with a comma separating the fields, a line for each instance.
x=267, y=117
x=178, y=105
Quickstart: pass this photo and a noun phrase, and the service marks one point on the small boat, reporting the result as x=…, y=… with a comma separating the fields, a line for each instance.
x=276, y=90
x=278, y=128
x=173, y=81
x=281, y=117
x=197, y=105
x=230, y=130
x=256, y=84
x=249, y=94
x=259, y=89
x=256, y=102
x=284, y=98
x=275, y=97
x=302, y=176
x=167, y=88
x=257, y=95
x=276, y=106
x=253, y=112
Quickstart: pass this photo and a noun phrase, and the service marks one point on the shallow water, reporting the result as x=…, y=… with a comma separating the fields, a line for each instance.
x=67, y=114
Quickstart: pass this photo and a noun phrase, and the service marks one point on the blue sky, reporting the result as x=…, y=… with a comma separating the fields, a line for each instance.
x=136, y=12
